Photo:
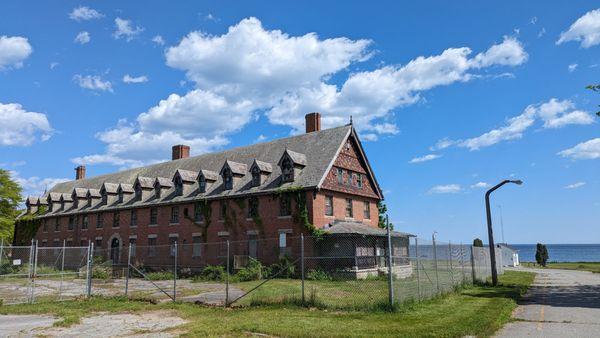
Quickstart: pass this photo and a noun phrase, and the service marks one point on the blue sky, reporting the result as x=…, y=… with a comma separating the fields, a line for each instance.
x=447, y=99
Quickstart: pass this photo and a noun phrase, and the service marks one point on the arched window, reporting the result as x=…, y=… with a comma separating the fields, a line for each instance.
x=138, y=191
x=287, y=169
x=255, y=176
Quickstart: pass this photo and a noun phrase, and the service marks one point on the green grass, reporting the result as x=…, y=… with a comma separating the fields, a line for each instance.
x=582, y=266
x=477, y=311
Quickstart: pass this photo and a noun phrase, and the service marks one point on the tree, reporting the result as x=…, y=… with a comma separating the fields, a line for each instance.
x=595, y=88
x=478, y=243
x=541, y=254
x=10, y=197
x=382, y=215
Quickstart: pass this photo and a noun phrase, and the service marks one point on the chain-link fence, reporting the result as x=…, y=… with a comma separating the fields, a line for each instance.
x=349, y=271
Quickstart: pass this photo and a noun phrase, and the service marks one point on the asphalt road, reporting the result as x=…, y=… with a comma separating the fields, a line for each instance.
x=560, y=303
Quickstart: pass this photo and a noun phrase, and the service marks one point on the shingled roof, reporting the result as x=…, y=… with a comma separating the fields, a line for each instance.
x=315, y=151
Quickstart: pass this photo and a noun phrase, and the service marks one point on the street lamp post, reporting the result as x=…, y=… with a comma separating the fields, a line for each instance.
x=489, y=225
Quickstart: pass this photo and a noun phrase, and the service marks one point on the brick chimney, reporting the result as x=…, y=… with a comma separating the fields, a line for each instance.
x=313, y=122
x=80, y=172
x=180, y=151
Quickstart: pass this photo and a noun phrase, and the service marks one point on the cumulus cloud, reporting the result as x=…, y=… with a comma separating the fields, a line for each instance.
x=586, y=30
x=157, y=39
x=588, y=150
x=19, y=127
x=250, y=70
x=124, y=29
x=425, y=158
x=445, y=189
x=13, y=51
x=553, y=113
x=575, y=185
x=572, y=67
x=34, y=185
x=480, y=185
x=93, y=82
x=83, y=13
x=82, y=38
x=135, y=79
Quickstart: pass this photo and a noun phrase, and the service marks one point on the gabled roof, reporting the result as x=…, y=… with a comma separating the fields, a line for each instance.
x=66, y=197
x=209, y=175
x=94, y=193
x=109, y=188
x=126, y=188
x=32, y=200
x=54, y=197
x=80, y=192
x=236, y=168
x=262, y=166
x=163, y=182
x=145, y=182
x=356, y=228
x=186, y=175
x=297, y=158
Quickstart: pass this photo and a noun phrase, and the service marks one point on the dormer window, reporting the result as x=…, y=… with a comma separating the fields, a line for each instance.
x=287, y=170
x=157, y=190
x=255, y=176
x=178, y=186
x=202, y=184
x=138, y=191
x=291, y=164
x=104, y=197
x=227, y=179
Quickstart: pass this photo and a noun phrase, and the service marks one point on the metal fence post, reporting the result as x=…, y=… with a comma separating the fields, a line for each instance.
x=227, y=278
x=389, y=262
x=175, y=273
x=29, y=272
x=435, y=264
x=462, y=262
x=34, y=272
x=128, y=270
x=302, y=264
x=473, y=276
x=62, y=270
x=90, y=266
x=418, y=271
x=450, y=261
x=1, y=250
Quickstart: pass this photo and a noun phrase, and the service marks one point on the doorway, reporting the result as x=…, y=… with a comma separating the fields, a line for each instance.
x=115, y=247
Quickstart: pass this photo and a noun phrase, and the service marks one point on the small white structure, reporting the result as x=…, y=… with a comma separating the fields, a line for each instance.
x=510, y=255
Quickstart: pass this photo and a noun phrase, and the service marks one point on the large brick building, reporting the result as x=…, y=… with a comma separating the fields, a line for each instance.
x=246, y=193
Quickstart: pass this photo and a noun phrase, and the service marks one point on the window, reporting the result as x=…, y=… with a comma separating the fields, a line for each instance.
x=202, y=183
x=71, y=222
x=287, y=169
x=56, y=224
x=228, y=178
x=367, y=210
x=349, y=212
x=98, y=243
x=359, y=181
x=133, y=221
x=138, y=191
x=157, y=190
x=69, y=242
x=132, y=246
x=83, y=242
x=99, y=221
x=253, y=207
x=355, y=179
x=116, y=219
x=153, y=216
x=45, y=225
x=198, y=212
x=350, y=178
x=173, y=242
x=45, y=242
x=84, y=222
x=56, y=243
x=283, y=248
x=196, y=246
x=178, y=186
x=285, y=205
x=255, y=176
x=104, y=197
x=151, y=246
x=121, y=196
x=340, y=176
x=328, y=205
x=174, y=215
x=223, y=211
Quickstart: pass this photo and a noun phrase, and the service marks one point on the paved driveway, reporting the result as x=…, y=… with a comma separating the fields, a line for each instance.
x=561, y=303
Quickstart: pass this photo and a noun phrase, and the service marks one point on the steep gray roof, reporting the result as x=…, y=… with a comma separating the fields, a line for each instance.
x=94, y=193
x=236, y=168
x=164, y=182
x=297, y=158
x=187, y=175
x=317, y=150
x=80, y=192
x=126, y=188
x=31, y=200
x=209, y=175
x=355, y=228
x=110, y=188
x=263, y=166
x=66, y=197
x=145, y=182
x=55, y=196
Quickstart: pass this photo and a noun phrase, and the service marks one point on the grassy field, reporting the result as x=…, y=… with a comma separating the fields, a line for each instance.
x=476, y=311
x=583, y=266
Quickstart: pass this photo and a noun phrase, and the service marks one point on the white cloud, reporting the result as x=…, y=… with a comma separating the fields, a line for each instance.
x=34, y=185
x=586, y=29
x=480, y=185
x=575, y=185
x=125, y=29
x=13, y=51
x=572, y=67
x=442, y=144
x=542, y=32
x=93, y=82
x=157, y=39
x=84, y=13
x=588, y=150
x=19, y=127
x=53, y=65
x=425, y=158
x=250, y=70
x=82, y=37
x=445, y=189
x=210, y=17
x=135, y=79
x=554, y=113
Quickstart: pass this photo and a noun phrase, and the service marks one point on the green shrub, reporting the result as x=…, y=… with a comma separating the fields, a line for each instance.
x=283, y=269
x=318, y=274
x=160, y=275
x=100, y=273
x=254, y=271
x=211, y=273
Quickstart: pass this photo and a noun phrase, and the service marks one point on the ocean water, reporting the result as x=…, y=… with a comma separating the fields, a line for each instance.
x=561, y=252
